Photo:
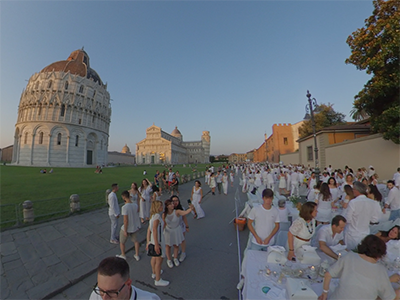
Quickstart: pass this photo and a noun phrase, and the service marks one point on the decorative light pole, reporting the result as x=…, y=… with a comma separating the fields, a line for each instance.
x=310, y=111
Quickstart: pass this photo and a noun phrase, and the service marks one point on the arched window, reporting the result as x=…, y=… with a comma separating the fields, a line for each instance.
x=41, y=138
x=59, y=139
x=40, y=109
x=49, y=85
x=77, y=141
x=26, y=138
x=66, y=85
x=81, y=89
x=62, y=113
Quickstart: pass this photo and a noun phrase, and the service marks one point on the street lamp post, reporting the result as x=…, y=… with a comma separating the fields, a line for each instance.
x=310, y=111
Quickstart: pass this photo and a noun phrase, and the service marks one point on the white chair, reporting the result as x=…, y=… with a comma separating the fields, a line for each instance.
x=281, y=238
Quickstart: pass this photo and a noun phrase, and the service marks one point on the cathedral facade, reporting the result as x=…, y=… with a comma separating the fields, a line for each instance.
x=63, y=116
x=160, y=147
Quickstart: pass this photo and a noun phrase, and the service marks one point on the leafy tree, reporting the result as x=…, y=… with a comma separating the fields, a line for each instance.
x=324, y=116
x=212, y=158
x=375, y=48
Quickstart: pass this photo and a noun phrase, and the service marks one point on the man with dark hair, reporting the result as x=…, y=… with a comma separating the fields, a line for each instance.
x=360, y=212
x=393, y=201
x=113, y=282
x=267, y=221
x=330, y=235
x=113, y=213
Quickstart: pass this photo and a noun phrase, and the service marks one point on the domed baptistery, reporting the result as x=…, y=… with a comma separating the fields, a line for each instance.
x=63, y=116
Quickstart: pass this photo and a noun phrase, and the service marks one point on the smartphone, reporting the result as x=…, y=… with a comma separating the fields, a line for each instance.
x=189, y=202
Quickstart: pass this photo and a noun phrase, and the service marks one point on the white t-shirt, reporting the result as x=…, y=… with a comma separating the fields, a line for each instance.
x=360, y=212
x=130, y=210
x=325, y=235
x=283, y=215
x=393, y=198
x=264, y=222
x=140, y=295
x=360, y=279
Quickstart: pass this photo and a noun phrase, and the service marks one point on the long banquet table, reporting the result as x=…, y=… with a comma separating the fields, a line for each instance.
x=254, y=265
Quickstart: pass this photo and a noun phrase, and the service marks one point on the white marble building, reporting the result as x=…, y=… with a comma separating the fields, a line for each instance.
x=63, y=116
x=160, y=147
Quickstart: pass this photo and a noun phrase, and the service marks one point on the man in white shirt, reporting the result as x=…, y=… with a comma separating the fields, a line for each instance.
x=130, y=213
x=330, y=235
x=270, y=180
x=396, y=178
x=113, y=213
x=267, y=221
x=393, y=200
x=359, y=214
x=294, y=181
x=114, y=282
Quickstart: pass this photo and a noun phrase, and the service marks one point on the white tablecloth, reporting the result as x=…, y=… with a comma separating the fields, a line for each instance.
x=254, y=282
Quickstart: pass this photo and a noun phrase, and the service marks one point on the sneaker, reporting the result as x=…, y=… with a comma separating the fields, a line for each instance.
x=169, y=263
x=114, y=242
x=154, y=275
x=176, y=262
x=161, y=282
x=183, y=256
x=121, y=256
x=137, y=257
x=240, y=284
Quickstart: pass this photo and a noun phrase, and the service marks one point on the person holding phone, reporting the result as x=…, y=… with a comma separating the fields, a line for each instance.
x=173, y=233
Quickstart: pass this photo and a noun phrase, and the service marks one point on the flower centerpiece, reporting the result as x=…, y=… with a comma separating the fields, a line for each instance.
x=296, y=201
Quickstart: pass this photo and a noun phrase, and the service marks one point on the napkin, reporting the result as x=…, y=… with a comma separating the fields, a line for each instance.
x=339, y=248
x=276, y=254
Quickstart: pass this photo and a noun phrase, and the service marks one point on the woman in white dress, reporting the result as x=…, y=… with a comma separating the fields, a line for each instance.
x=257, y=181
x=325, y=203
x=183, y=224
x=282, y=183
x=156, y=193
x=173, y=231
x=302, y=229
x=225, y=183
x=145, y=201
x=196, y=197
x=333, y=189
x=212, y=183
x=232, y=178
x=134, y=193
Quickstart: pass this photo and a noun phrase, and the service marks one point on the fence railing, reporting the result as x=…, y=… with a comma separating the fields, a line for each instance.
x=12, y=215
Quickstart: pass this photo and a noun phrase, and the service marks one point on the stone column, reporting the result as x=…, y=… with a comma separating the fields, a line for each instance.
x=32, y=146
x=67, y=150
x=48, y=150
x=29, y=215
x=74, y=203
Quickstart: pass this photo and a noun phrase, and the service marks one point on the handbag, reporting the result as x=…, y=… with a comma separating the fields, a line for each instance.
x=151, y=251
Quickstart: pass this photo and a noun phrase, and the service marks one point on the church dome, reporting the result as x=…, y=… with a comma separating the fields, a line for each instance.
x=126, y=149
x=78, y=64
x=176, y=132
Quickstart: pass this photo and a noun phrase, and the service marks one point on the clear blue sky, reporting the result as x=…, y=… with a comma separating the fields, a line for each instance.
x=231, y=67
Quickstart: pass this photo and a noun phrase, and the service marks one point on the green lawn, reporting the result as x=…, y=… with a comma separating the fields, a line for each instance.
x=50, y=192
x=27, y=183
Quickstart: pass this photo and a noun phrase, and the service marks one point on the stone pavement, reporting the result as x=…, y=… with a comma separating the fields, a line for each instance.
x=40, y=261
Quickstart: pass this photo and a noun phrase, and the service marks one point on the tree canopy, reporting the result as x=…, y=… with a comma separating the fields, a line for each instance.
x=375, y=48
x=324, y=116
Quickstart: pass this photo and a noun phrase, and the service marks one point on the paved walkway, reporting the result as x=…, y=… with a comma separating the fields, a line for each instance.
x=39, y=261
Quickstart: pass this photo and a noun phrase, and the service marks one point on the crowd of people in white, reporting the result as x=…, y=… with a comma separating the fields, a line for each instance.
x=344, y=210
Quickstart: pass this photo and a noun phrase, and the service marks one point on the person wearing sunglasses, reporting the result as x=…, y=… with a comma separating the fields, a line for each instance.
x=114, y=282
